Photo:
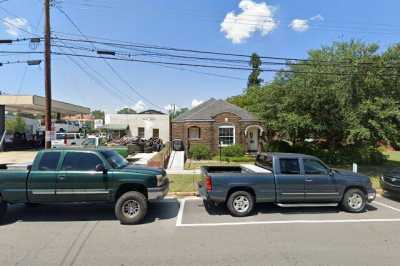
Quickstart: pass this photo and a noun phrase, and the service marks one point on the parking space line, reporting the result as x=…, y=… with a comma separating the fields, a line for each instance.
x=290, y=222
x=385, y=205
x=180, y=213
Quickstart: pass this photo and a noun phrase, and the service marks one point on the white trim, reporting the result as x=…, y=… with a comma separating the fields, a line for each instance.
x=385, y=205
x=234, y=135
x=291, y=222
x=180, y=213
x=251, y=126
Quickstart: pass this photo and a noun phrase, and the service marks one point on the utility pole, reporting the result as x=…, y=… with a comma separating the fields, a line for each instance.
x=47, y=73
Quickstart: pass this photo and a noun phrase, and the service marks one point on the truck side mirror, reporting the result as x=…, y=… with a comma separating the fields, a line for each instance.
x=101, y=168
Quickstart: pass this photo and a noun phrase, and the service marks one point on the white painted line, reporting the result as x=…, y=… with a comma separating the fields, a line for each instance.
x=385, y=205
x=290, y=222
x=180, y=213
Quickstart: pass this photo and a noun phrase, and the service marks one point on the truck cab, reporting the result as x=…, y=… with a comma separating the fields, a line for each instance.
x=285, y=178
x=85, y=175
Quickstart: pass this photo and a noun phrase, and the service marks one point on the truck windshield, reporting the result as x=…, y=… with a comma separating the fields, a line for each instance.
x=116, y=160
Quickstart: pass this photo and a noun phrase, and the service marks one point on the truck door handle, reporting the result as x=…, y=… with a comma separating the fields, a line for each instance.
x=308, y=180
x=61, y=177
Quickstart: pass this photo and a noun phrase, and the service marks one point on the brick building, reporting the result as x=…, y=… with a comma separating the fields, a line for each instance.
x=216, y=122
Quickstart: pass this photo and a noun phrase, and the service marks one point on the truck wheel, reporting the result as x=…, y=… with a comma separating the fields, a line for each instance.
x=3, y=210
x=131, y=207
x=240, y=203
x=354, y=200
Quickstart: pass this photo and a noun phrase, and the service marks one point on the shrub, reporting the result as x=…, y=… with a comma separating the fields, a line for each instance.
x=277, y=146
x=199, y=152
x=233, y=151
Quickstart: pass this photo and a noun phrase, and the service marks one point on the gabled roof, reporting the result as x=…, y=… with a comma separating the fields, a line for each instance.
x=209, y=109
x=151, y=112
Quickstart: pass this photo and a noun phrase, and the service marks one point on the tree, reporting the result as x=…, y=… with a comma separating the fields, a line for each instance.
x=16, y=125
x=98, y=114
x=254, y=78
x=178, y=112
x=345, y=96
x=126, y=111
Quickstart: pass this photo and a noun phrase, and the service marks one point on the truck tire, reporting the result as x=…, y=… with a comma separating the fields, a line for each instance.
x=131, y=207
x=354, y=200
x=3, y=210
x=240, y=203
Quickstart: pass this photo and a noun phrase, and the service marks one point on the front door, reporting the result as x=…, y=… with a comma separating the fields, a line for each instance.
x=78, y=180
x=42, y=181
x=320, y=185
x=290, y=181
x=252, y=139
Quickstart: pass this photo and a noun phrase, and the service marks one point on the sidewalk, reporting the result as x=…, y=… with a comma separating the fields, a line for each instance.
x=17, y=157
x=183, y=172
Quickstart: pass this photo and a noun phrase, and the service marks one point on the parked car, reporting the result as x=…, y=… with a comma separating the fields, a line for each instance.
x=390, y=181
x=93, y=142
x=67, y=139
x=84, y=175
x=66, y=126
x=284, y=179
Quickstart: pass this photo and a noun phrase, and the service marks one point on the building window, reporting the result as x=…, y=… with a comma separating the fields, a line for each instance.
x=194, y=133
x=156, y=133
x=226, y=135
x=141, y=132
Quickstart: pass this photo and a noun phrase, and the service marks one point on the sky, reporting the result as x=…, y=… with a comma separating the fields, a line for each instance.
x=285, y=28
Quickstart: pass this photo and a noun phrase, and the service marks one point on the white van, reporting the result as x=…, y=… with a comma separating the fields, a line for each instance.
x=67, y=139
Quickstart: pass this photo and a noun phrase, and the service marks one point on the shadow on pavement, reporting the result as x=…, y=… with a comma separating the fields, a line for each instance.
x=164, y=210
x=269, y=208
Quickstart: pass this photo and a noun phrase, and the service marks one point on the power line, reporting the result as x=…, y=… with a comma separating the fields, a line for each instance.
x=156, y=47
x=108, y=64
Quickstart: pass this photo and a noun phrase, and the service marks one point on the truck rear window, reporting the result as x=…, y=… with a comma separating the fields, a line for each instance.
x=49, y=161
x=264, y=161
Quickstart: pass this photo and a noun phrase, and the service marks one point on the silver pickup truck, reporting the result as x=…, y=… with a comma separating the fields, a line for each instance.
x=284, y=178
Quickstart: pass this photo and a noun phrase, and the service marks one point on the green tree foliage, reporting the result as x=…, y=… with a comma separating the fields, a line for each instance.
x=16, y=125
x=98, y=114
x=176, y=113
x=345, y=95
x=126, y=111
x=255, y=64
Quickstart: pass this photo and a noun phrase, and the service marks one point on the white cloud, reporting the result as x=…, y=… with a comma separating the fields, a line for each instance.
x=139, y=106
x=318, y=17
x=299, y=25
x=196, y=102
x=14, y=25
x=254, y=17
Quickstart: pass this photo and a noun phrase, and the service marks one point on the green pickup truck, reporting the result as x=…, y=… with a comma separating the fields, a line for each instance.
x=84, y=175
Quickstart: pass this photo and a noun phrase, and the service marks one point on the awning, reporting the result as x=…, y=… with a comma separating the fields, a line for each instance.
x=115, y=127
x=33, y=104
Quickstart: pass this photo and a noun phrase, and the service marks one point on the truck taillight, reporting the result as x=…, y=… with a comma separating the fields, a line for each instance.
x=208, y=183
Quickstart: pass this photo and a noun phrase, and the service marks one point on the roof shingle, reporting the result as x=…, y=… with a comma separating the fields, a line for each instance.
x=209, y=109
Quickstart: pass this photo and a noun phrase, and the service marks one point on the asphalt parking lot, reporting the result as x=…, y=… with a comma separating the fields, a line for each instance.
x=183, y=232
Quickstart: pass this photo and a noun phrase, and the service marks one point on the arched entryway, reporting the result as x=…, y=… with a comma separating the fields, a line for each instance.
x=253, y=135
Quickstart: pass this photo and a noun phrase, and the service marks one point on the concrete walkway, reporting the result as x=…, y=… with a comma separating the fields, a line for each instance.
x=17, y=157
x=141, y=158
x=176, y=161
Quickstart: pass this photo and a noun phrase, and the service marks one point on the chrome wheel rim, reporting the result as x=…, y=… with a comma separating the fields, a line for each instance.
x=130, y=208
x=355, y=201
x=241, y=204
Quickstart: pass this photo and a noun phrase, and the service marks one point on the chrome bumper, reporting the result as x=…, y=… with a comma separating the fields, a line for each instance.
x=371, y=196
x=155, y=193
